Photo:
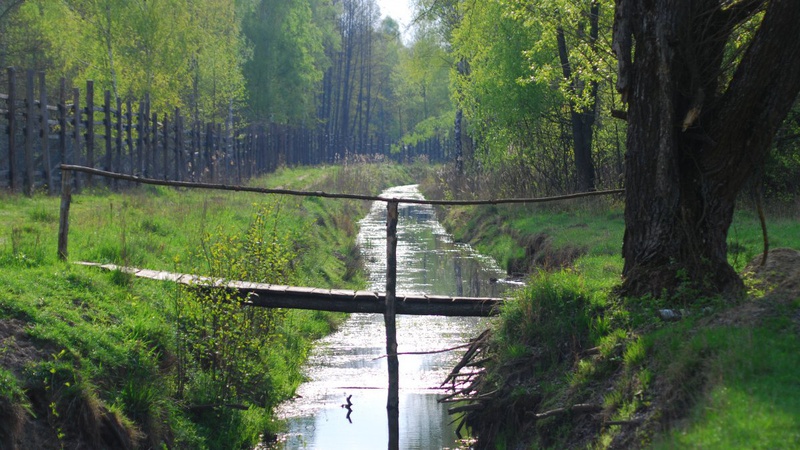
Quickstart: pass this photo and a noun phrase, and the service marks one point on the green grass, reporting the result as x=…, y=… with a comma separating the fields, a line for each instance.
x=698, y=383
x=752, y=394
x=105, y=344
x=712, y=386
x=596, y=227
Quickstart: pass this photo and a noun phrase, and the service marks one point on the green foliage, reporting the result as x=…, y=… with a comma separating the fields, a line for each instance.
x=783, y=163
x=11, y=393
x=182, y=53
x=421, y=83
x=554, y=314
x=589, y=63
x=519, y=96
x=288, y=56
x=497, y=101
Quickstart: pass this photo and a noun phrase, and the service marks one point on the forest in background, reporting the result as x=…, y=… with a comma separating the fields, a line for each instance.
x=520, y=92
x=333, y=68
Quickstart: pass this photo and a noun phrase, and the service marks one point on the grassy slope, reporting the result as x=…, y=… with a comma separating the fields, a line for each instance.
x=84, y=353
x=707, y=381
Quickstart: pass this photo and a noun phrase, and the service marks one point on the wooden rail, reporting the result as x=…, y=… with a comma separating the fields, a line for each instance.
x=339, y=300
x=260, y=190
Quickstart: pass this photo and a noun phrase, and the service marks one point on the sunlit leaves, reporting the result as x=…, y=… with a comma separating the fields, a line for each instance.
x=589, y=61
x=421, y=81
x=181, y=52
x=494, y=93
x=227, y=340
x=287, y=40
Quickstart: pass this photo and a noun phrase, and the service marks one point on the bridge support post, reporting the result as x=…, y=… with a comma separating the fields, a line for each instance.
x=392, y=404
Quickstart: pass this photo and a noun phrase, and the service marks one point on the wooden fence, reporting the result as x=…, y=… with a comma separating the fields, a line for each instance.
x=71, y=127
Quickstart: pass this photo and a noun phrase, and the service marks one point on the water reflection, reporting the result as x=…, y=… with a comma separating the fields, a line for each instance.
x=348, y=362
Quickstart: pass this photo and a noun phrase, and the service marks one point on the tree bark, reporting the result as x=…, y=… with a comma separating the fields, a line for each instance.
x=693, y=140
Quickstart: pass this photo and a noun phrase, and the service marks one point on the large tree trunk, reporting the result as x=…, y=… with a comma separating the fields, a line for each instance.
x=692, y=142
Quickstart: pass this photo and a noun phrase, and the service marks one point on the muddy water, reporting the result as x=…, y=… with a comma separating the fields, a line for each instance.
x=348, y=363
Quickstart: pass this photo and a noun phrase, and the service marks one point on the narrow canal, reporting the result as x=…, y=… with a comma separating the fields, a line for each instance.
x=348, y=363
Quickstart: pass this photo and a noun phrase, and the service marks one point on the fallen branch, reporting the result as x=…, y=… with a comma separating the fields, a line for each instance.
x=580, y=408
x=432, y=352
x=474, y=346
x=486, y=396
x=465, y=408
x=479, y=363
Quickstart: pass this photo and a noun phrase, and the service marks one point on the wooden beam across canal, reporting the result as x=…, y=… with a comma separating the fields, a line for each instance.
x=339, y=300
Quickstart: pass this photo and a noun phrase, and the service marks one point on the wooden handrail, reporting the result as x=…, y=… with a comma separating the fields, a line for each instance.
x=414, y=201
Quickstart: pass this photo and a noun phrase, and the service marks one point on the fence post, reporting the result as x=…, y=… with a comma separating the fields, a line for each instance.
x=89, y=128
x=220, y=168
x=45, y=134
x=129, y=136
x=179, y=164
x=76, y=124
x=13, y=181
x=144, y=134
x=392, y=403
x=63, y=222
x=153, y=139
x=118, y=142
x=193, y=152
x=140, y=130
x=62, y=121
x=210, y=150
x=107, y=127
x=30, y=177
x=165, y=146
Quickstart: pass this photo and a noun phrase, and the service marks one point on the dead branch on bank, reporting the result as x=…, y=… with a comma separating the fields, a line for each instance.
x=580, y=408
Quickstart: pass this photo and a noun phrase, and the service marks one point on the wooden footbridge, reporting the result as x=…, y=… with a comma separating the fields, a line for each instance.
x=389, y=303
x=339, y=300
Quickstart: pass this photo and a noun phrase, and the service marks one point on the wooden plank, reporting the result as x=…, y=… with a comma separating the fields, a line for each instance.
x=338, y=300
